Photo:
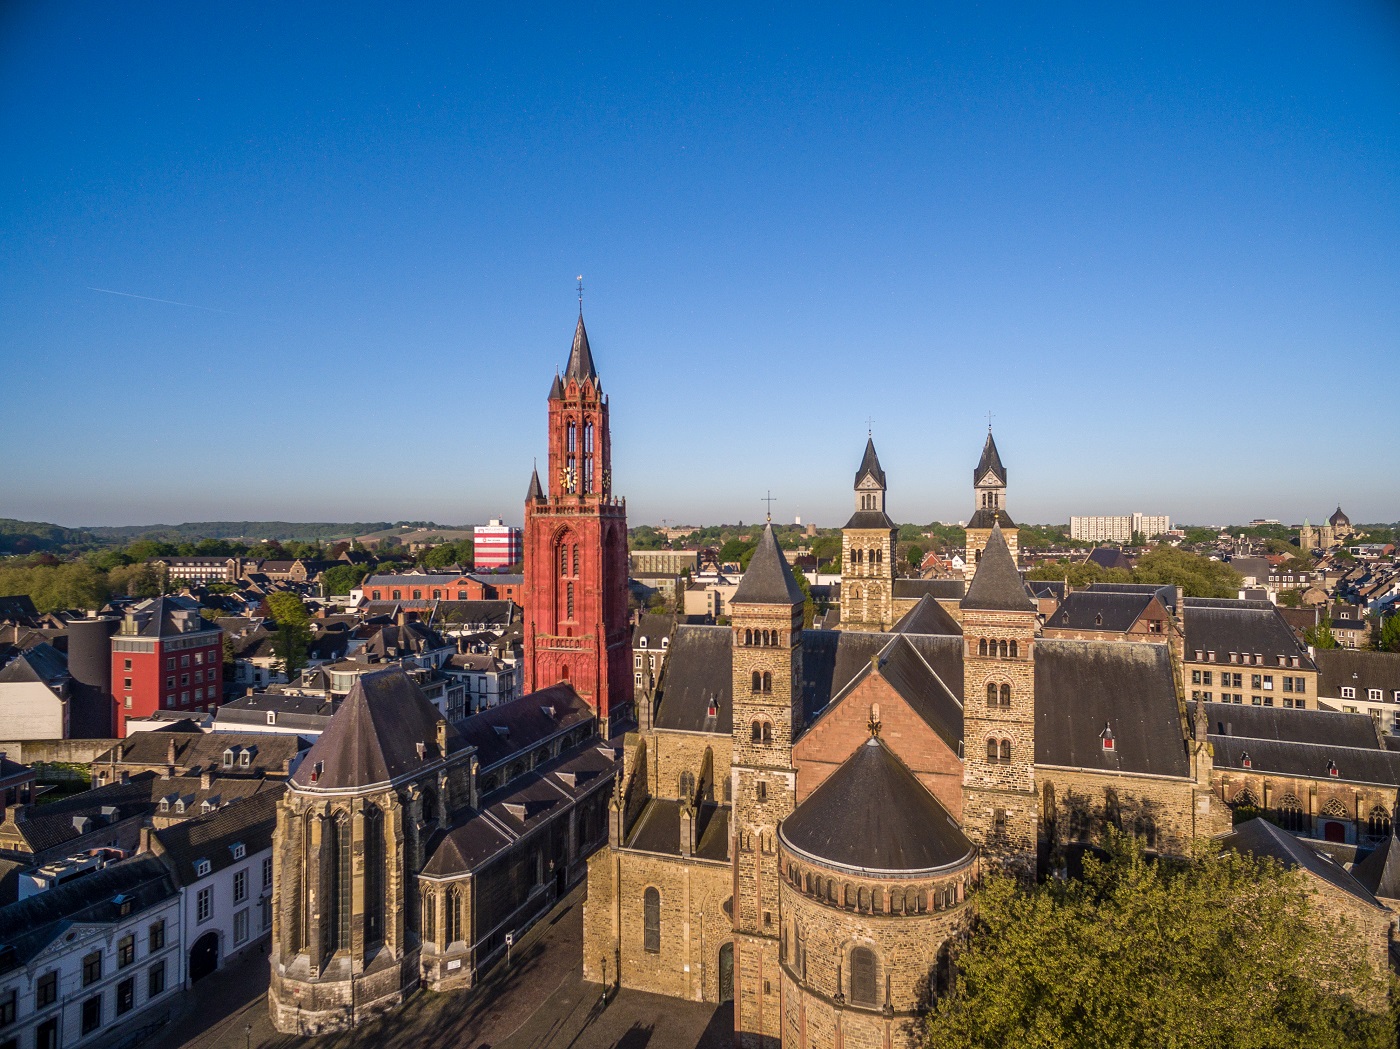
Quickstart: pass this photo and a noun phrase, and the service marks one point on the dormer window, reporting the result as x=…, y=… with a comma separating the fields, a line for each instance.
x=316, y=770
x=228, y=758
x=644, y=642
x=1245, y=760
x=164, y=804
x=665, y=642
x=1332, y=768
x=239, y=850
x=1107, y=736
x=1098, y=619
x=245, y=760
x=272, y=717
x=202, y=868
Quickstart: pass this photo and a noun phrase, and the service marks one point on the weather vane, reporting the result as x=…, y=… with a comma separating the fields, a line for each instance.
x=770, y=501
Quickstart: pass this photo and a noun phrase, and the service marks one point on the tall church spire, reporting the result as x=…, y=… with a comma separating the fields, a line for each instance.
x=990, y=463
x=997, y=585
x=580, y=356
x=870, y=465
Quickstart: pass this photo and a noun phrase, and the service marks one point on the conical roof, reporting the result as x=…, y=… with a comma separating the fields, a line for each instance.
x=580, y=356
x=870, y=464
x=1380, y=871
x=873, y=814
x=556, y=389
x=374, y=736
x=536, y=492
x=990, y=461
x=768, y=580
x=997, y=585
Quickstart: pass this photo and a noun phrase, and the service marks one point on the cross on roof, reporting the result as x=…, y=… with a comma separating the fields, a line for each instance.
x=869, y=426
x=580, y=294
x=770, y=500
x=989, y=418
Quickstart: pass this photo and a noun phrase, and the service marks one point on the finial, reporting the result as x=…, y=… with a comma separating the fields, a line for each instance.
x=869, y=426
x=989, y=422
x=874, y=723
x=580, y=294
x=770, y=501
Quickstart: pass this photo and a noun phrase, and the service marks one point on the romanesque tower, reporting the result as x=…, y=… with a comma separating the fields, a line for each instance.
x=576, y=550
x=766, y=618
x=868, y=552
x=989, y=492
x=999, y=621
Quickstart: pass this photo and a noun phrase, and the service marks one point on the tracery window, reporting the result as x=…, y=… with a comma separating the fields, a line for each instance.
x=651, y=921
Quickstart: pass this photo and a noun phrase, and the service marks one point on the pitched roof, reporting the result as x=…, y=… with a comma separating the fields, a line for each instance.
x=990, y=461
x=374, y=736
x=870, y=465
x=927, y=617
x=699, y=667
x=519, y=725
x=871, y=519
x=1259, y=837
x=556, y=389
x=1329, y=728
x=1099, y=610
x=535, y=494
x=580, y=356
x=872, y=813
x=997, y=585
x=768, y=580
x=197, y=751
x=984, y=518
x=945, y=588
x=249, y=823
x=1356, y=668
x=42, y=663
x=1084, y=688
x=1223, y=626
x=1379, y=872
x=658, y=829
x=1109, y=557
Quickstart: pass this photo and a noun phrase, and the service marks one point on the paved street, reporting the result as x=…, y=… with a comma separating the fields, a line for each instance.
x=542, y=1002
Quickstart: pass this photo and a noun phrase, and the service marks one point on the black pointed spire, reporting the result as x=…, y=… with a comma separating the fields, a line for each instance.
x=990, y=461
x=536, y=492
x=580, y=356
x=556, y=391
x=997, y=586
x=768, y=579
x=870, y=464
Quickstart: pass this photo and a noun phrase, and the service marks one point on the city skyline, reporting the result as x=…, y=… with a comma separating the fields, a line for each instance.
x=1160, y=249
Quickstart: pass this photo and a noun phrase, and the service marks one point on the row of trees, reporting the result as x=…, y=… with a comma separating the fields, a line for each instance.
x=1164, y=566
x=1383, y=636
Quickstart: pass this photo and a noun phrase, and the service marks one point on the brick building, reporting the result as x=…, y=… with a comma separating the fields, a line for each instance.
x=165, y=656
x=575, y=598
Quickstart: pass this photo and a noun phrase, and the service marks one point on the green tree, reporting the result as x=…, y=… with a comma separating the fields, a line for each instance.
x=915, y=554
x=1320, y=636
x=1198, y=576
x=292, y=638
x=140, y=580
x=341, y=579
x=1389, y=640
x=1290, y=598
x=52, y=587
x=1218, y=952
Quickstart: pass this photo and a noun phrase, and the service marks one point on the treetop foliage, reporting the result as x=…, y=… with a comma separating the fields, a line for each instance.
x=1197, y=576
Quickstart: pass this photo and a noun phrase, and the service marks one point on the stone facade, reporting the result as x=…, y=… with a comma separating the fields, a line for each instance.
x=867, y=578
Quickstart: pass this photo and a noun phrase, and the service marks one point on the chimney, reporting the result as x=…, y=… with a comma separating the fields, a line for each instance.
x=687, y=830
x=442, y=738
x=170, y=752
x=206, y=779
x=145, y=845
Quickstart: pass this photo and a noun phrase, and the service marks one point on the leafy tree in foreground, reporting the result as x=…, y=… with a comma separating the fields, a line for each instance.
x=293, y=635
x=1320, y=636
x=1221, y=952
x=1389, y=638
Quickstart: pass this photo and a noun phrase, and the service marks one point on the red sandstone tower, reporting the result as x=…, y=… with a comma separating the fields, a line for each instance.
x=576, y=550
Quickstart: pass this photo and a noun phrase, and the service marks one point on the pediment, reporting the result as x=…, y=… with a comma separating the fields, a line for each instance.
x=989, y=480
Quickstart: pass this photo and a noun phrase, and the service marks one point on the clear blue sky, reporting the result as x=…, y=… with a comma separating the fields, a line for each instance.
x=1160, y=242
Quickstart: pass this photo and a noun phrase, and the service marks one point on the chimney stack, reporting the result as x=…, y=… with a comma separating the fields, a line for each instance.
x=206, y=779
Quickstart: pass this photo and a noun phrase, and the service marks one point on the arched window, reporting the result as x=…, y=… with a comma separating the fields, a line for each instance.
x=651, y=921
x=1290, y=814
x=748, y=637
x=563, y=559
x=1006, y=752
x=1335, y=810
x=687, y=785
x=1145, y=828
x=453, y=931
x=767, y=733
x=767, y=681
x=863, y=900
x=1006, y=695
x=339, y=883
x=991, y=694
x=1378, y=826
x=1003, y=650
x=569, y=600
x=756, y=732
x=757, y=681
x=429, y=922
x=374, y=875
x=1013, y=649
x=879, y=557
x=992, y=751
x=1244, y=798
x=863, y=976
x=982, y=647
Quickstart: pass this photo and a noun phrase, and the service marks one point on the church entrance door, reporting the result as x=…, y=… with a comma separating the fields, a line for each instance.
x=204, y=956
x=726, y=973
x=1334, y=831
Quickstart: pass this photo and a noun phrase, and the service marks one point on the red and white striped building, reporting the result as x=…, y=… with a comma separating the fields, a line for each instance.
x=497, y=545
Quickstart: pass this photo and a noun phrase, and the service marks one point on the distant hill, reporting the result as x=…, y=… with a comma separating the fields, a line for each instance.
x=35, y=537
x=195, y=530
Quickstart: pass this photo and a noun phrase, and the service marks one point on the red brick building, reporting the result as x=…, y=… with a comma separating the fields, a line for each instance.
x=165, y=657
x=443, y=588
x=576, y=550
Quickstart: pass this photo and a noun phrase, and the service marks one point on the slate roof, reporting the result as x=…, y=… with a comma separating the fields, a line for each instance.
x=249, y=823
x=30, y=925
x=1358, y=669
x=1323, y=727
x=1379, y=872
x=1109, y=557
x=1047, y=588
x=984, y=518
x=1259, y=837
x=1085, y=687
x=699, y=665
x=873, y=814
x=997, y=585
x=197, y=750
x=580, y=365
x=303, y=712
x=162, y=616
x=1307, y=760
x=653, y=628
x=944, y=588
x=870, y=464
x=768, y=579
x=1223, y=626
x=374, y=736
x=1164, y=594
x=873, y=519
x=535, y=493
x=1097, y=610
x=518, y=726
x=990, y=460
x=927, y=617
x=18, y=606
x=833, y=659
x=1339, y=518
x=658, y=829
x=556, y=389
x=42, y=663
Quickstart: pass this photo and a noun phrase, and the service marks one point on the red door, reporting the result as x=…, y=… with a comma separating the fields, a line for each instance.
x=1334, y=831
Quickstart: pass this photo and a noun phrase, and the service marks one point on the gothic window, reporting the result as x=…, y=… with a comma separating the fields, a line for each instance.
x=1290, y=813
x=339, y=867
x=1145, y=828
x=1006, y=752
x=374, y=875
x=1006, y=695
x=453, y=931
x=1378, y=826
x=1244, y=798
x=757, y=681
x=1335, y=809
x=982, y=647
x=991, y=694
x=687, y=786
x=429, y=923
x=575, y=553
x=569, y=600
x=863, y=976
x=651, y=921
x=767, y=681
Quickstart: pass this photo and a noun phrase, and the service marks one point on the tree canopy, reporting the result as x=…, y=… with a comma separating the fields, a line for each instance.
x=1218, y=952
x=292, y=637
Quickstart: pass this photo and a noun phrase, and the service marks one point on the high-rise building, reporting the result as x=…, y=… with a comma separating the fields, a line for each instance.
x=576, y=627
x=165, y=656
x=497, y=545
x=1118, y=528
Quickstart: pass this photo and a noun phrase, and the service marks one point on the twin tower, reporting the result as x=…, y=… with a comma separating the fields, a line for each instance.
x=868, y=598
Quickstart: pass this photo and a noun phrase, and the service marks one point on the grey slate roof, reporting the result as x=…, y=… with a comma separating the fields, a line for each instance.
x=833, y=659
x=42, y=663
x=1109, y=557
x=518, y=726
x=1259, y=837
x=18, y=606
x=654, y=628
x=658, y=829
x=699, y=666
x=1323, y=727
x=990, y=461
x=870, y=464
x=374, y=736
x=196, y=751
x=249, y=823
x=768, y=579
x=1097, y=610
x=997, y=585
x=1165, y=593
x=580, y=356
x=942, y=588
x=927, y=617
x=1222, y=626
x=1308, y=760
x=556, y=389
x=872, y=813
x=1359, y=669
x=984, y=518
x=535, y=493
x=1085, y=687
x=871, y=519
x=1379, y=872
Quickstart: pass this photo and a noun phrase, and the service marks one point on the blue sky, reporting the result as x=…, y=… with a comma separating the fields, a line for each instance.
x=1160, y=243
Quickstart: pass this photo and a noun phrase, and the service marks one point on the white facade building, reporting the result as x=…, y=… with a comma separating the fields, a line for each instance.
x=1119, y=528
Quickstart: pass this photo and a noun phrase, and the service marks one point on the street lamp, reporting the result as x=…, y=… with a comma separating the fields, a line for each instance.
x=247, y=1036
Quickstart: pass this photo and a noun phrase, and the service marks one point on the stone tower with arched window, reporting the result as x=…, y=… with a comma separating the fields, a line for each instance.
x=999, y=622
x=766, y=625
x=989, y=495
x=576, y=550
x=868, y=552
x=351, y=832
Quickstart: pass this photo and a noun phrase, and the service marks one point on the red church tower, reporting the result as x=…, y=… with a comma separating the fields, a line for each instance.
x=576, y=550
